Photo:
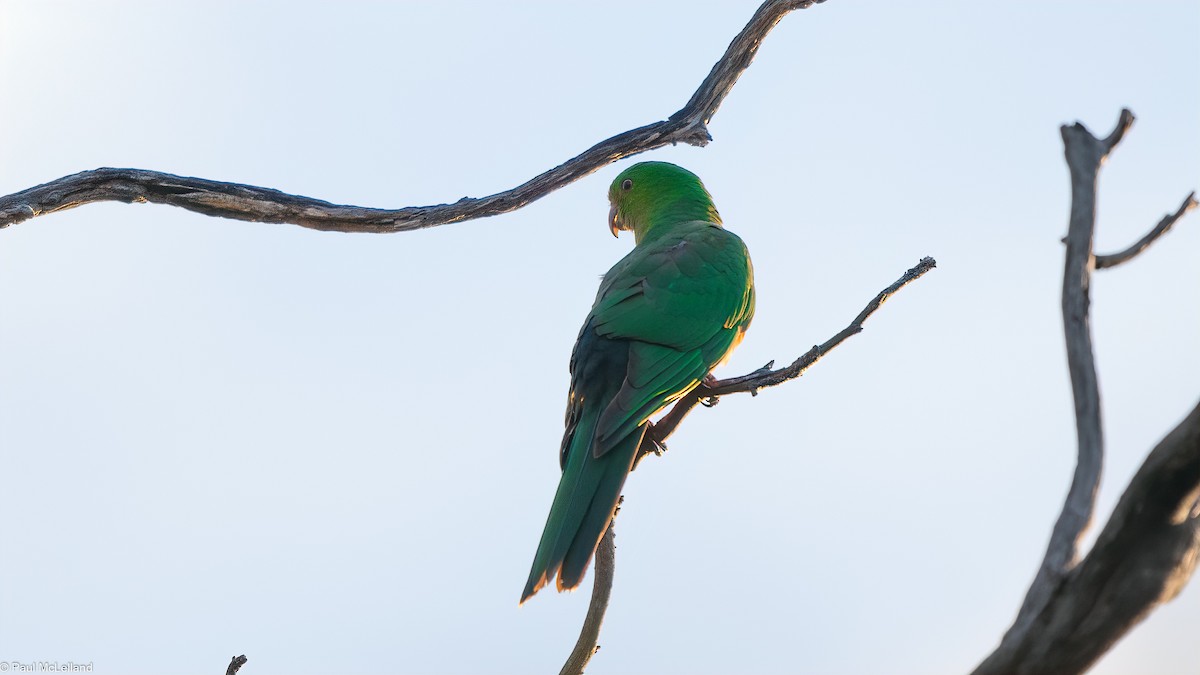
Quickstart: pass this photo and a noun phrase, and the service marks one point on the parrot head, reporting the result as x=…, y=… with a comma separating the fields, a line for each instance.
x=650, y=194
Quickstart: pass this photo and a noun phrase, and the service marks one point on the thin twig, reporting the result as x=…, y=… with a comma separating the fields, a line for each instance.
x=765, y=376
x=587, y=644
x=1164, y=225
x=1124, y=121
x=236, y=664
x=258, y=204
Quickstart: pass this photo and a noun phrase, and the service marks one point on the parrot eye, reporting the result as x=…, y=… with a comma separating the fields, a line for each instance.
x=626, y=184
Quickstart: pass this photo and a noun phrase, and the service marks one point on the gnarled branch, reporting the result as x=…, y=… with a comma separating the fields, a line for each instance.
x=257, y=204
x=763, y=377
x=1075, y=610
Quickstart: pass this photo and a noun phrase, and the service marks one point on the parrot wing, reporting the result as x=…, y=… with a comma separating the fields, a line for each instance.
x=683, y=304
x=664, y=316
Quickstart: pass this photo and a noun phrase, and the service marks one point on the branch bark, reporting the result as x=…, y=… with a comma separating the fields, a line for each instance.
x=1085, y=153
x=1144, y=557
x=586, y=646
x=236, y=664
x=1164, y=226
x=257, y=204
x=604, y=566
x=1076, y=610
x=764, y=377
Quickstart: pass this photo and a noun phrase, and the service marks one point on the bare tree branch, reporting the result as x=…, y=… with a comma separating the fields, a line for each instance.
x=236, y=664
x=605, y=562
x=1084, y=153
x=1076, y=610
x=765, y=376
x=585, y=647
x=1124, y=121
x=247, y=202
x=1143, y=557
x=1164, y=225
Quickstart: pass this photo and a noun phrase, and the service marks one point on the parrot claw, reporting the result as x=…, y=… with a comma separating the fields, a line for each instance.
x=709, y=382
x=659, y=447
x=656, y=446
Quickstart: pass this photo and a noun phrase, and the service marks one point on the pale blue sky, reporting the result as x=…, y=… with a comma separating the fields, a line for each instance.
x=335, y=453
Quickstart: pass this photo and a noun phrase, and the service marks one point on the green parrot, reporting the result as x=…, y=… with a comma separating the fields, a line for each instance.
x=665, y=315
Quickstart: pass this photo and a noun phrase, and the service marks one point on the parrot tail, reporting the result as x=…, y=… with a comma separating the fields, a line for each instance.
x=582, y=509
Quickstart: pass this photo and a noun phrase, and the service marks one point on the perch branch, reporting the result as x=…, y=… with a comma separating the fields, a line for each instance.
x=585, y=647
x=1076, y=610
x=236, y=664
x=247, y=202
x=765, y=376
x=605, y=563
x=1164, y=225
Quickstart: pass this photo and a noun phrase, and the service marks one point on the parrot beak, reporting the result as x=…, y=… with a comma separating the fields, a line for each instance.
x=612, y=220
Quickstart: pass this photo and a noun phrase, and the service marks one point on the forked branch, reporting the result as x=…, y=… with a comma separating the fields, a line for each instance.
x=766, y=377
x=1075, y=610
x=586, y=646
x=257, y=204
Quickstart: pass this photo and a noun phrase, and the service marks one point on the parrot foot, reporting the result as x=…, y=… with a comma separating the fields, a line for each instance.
x=708, y=382
x=656, y=446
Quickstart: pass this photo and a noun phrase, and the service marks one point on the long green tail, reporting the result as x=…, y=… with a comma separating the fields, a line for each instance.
x=582, y=508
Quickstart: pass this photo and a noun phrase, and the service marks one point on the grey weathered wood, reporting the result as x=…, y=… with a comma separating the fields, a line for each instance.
x=1144, y=556
x=1084, y=154
x=1164, y=226
x=1075, y=610
x=604, y=566
x=257, y=204
x=236, y=664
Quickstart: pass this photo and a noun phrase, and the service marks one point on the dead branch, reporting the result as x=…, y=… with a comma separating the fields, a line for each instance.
x=585, y=647
x=1085, y=153
x=1164, y=225
x=257, y=204
x=605, y=562
x=766, y=377
x=236, y=664
x=1144, y=556
x=1076, y=610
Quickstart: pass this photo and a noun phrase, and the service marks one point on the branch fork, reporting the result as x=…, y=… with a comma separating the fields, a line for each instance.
x=708, y=393
x=1078, y=606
